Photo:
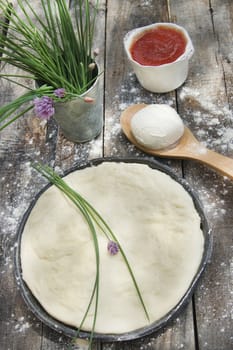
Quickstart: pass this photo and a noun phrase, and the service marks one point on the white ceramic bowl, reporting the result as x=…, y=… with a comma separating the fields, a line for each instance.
x=166, y=77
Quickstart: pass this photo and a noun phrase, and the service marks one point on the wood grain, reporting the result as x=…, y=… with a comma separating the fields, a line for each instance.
x=204, y=102
x=15, y=332
x=123, y=90
x=29, y=139
x=68, y=154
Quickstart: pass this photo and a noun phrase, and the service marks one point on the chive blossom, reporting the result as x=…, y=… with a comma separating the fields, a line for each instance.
x=113, y=248
x=43, y=107
x=60, y=92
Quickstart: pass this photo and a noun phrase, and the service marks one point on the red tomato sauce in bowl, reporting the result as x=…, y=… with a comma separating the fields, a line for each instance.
x=159, y=46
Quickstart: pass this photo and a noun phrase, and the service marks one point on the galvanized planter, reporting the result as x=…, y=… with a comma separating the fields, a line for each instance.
x=81, y=121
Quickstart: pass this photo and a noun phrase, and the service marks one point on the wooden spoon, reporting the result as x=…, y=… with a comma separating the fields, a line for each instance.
x=186, y=148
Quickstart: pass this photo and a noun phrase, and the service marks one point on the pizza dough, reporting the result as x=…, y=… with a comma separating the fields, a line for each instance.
x=157, y=225
x=157, y=126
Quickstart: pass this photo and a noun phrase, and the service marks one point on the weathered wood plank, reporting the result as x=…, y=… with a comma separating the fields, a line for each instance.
x=19, y=328
x=204, y=104
x=69, y=154
x=122, y=89
x=28, y=139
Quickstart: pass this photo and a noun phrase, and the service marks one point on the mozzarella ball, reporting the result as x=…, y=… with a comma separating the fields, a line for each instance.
x=157, y=126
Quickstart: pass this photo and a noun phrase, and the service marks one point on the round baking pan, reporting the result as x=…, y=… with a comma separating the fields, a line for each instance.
x=38, y=310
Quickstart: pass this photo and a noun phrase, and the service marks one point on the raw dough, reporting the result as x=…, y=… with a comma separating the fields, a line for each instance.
x=157, y=126
x=154, y=219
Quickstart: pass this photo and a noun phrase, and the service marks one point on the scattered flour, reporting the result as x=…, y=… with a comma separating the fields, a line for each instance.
x=146, y=3
x=211, y=116
x=207, y=114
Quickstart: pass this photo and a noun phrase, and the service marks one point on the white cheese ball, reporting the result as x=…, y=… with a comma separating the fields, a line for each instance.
x=157, y=126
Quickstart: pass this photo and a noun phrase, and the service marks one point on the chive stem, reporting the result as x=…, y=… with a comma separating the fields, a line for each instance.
x=93, y=219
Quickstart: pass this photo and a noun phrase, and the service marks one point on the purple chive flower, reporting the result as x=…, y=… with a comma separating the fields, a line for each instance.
x=113, y=248
x=43, y=107
x=60, y=92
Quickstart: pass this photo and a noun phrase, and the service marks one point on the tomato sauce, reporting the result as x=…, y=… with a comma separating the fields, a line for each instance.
x=159, y=46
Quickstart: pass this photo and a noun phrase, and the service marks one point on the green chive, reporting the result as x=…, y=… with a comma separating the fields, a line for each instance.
x=55, y=51
x=93, y=219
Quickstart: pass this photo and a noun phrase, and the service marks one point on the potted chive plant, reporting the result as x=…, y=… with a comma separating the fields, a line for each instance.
x=55, y=50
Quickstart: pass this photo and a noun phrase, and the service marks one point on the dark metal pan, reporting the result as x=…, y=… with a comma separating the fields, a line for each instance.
x=38, y=310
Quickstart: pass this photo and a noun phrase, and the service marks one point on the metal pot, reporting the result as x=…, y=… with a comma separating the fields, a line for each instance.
x=81, y=121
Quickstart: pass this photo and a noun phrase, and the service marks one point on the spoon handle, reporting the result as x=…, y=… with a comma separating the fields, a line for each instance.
x=220, y=163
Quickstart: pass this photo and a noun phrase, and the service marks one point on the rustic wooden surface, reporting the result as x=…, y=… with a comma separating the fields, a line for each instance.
x=204, y=102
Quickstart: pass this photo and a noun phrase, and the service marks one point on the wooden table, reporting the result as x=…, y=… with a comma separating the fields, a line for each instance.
x=204, y=102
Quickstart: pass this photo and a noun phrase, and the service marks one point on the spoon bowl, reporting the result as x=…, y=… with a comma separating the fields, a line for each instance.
x=187, y=147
